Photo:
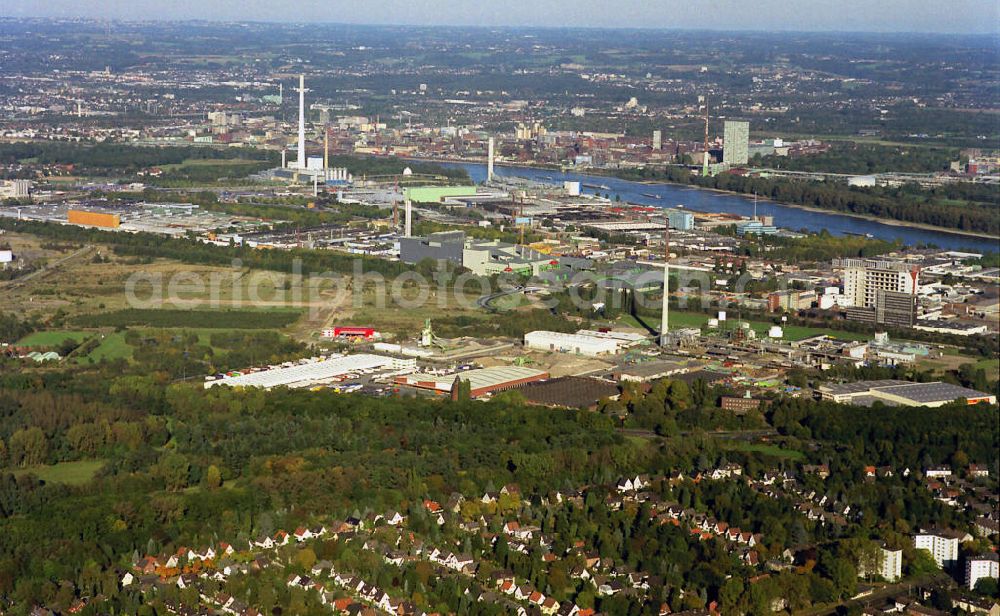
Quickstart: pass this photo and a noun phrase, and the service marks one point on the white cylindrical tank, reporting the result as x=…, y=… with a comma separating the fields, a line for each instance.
x=572, y=188
x=775, y=332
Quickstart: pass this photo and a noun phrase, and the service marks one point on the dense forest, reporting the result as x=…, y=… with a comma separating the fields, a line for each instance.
x=180, y=465
x=863, y=158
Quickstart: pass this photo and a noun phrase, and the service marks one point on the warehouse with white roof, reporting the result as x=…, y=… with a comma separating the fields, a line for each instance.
x=313, y=371
x=581, y=344
x=902, y=393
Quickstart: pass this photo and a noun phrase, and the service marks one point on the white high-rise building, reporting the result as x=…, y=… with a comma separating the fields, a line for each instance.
x=982, y=566
x=942, y=545
x=736, y=142
x=301, y=162
x=888, y=564
x=489, y=160
x=863, y=278
x=657, y=140
x=892, y=564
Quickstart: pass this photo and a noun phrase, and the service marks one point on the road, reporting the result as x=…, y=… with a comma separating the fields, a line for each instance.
x=724, y=434
x=881, y=595
x=19, y=282
x=485, y=301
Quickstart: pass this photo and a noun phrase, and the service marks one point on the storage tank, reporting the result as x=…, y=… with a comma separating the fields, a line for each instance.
x=572, y=188
x=775, y=332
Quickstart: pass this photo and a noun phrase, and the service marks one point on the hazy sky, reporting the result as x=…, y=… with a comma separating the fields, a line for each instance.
x=958, y=16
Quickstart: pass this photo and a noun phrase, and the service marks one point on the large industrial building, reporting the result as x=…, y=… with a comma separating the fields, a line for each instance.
x=581, y=344
x=436, y=194
x=683, y=221
x=736, y=142
x=902, y=393
x=482, y=257
x=313, y=372
x=481, y=382
x=93, y=219
x=15, y=189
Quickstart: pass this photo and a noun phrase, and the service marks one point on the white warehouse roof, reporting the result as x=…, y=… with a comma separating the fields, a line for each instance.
x=571, y=343
x=312, y=372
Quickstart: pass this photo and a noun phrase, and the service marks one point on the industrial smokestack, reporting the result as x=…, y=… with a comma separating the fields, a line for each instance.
x=408, y=220
x=301, y=164
x=489, y=161
x=284, y=156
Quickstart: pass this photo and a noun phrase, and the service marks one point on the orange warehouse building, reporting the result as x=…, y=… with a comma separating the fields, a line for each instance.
x=94, y=219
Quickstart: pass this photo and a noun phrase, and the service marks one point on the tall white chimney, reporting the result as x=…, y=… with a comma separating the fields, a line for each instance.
x=301, y=164
x=408, y=224
x=489, y=161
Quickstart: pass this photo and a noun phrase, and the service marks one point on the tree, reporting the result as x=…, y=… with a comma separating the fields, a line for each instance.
x=173, y=470
x=28, y=447
x=922, y=563
x=988, y=587
x=306, y=558
x=213, y=477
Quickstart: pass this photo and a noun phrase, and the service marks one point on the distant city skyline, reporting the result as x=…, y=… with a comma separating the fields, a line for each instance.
x=957, y=17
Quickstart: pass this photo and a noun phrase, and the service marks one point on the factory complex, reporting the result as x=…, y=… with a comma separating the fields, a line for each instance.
x=172, y=219
x=482, y=381
x=311, y=372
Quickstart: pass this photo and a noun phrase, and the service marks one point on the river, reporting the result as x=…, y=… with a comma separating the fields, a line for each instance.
x=702, y=200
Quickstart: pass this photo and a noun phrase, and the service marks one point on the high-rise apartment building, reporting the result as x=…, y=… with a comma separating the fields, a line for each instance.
x=864, y=278
x=880, y=292
x=736, y=142
x=657, y=140
x=943, y=546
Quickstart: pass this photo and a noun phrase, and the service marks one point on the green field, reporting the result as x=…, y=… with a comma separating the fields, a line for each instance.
x=112, y=347
x=766, y=449
x=209, y=162
x=991, y=366
x=52, y=338
x=192, y=319
x=70, y=473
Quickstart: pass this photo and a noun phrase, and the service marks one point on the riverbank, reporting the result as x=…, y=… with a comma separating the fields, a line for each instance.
x=603, y=173
x=808, y=208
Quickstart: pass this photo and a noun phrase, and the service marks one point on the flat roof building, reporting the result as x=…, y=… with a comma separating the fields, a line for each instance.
x=570, y=392
x=312, y=372
x=902, y=393
x=481, y=382
x=591, y=346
